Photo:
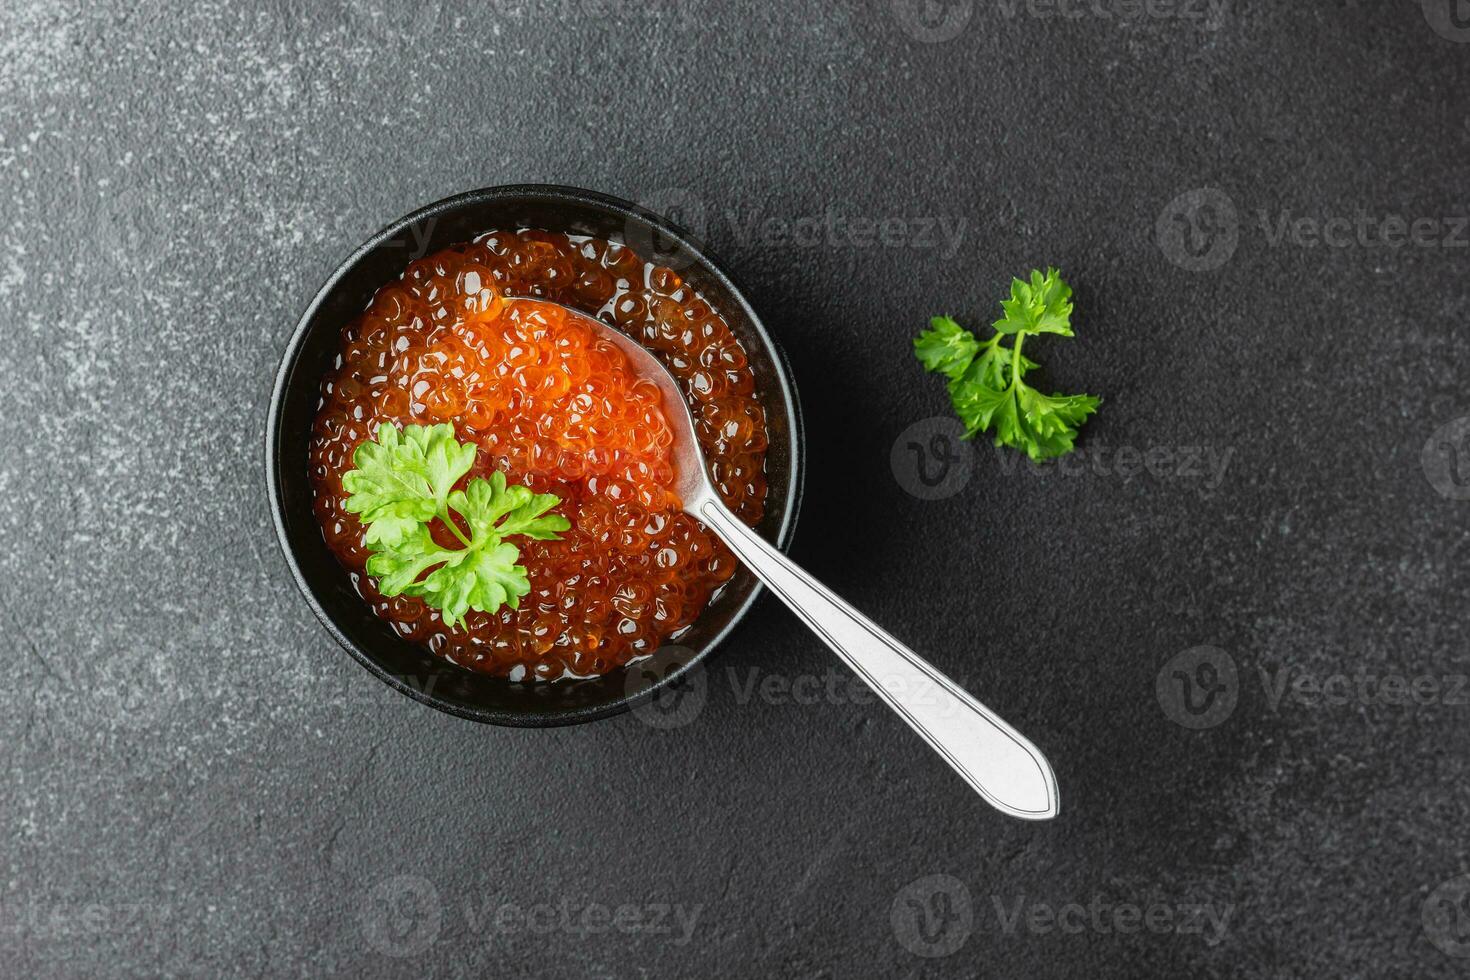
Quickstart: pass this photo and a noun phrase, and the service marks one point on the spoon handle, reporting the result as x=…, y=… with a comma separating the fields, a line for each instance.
x=997, y=761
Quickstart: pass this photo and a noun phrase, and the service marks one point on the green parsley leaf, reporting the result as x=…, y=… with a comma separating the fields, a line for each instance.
x=987, y=381
x=484, y=502
x=992, y=366
x=484, y=579
x=401, y=483
x=1041, y=306
x=404, y=479
x=946, y=347
x=398, y=568
x=977, y=405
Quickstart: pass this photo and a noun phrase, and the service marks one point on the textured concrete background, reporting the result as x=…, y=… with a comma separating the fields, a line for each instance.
x=197, y=781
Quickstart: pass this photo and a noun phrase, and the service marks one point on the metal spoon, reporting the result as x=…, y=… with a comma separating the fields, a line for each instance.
x=997, y=761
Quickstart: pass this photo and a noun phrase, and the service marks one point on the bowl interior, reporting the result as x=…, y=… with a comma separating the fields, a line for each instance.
x=405, y=665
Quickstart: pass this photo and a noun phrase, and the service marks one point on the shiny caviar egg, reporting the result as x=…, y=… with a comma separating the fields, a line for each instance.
x=462, y=338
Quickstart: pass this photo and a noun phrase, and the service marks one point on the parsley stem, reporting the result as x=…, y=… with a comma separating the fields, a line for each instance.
x=449, y=523
x=1016, y=361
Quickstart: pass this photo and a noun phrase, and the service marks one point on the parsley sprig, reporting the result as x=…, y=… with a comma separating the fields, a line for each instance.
x=403, y=481
x=987, y=380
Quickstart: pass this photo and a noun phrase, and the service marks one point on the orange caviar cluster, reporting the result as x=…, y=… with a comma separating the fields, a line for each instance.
x=462, y=338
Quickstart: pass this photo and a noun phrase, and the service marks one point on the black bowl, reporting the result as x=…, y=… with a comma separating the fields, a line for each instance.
x=406, y=666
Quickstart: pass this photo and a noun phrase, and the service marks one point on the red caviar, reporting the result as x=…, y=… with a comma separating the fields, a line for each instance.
x=462, y=338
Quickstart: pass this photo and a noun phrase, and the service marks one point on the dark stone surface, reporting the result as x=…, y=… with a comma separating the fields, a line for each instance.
x=198, y=782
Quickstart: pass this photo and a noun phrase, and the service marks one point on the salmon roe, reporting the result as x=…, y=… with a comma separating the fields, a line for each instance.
x=462, y=337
